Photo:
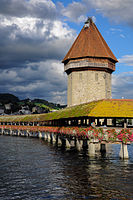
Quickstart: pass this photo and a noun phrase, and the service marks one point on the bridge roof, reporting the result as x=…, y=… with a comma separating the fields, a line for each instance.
x=119, y=108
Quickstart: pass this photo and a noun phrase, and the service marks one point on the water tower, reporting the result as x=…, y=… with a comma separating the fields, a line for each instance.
x=89, y=64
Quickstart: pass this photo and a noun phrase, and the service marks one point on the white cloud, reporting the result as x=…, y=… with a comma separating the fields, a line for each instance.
x=115, y=30
x=75, y=11
x=115, y=10
x=127, y=59
x=34, y=27
x=122, y=85
x=122, y=35
x=45, y=80
x=9, y=76
x=60, y=97
x=33, y=42
x=31, y=39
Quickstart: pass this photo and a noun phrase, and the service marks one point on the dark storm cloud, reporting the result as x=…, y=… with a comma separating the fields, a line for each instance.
x=45, y=9
x=33, y=41
x=37, y=80
x=18, y=46
x=27, y=32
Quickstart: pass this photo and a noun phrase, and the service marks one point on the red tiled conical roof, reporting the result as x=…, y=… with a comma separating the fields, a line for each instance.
x=89, y=43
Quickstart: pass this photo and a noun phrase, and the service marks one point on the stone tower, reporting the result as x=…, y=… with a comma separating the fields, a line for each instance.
x=89, y=64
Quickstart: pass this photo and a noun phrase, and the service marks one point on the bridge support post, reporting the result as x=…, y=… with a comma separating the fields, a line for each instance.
x=48, y=137
x=85, y=144
x=10, y=132
x=40, y=135
x=103, y=148
x=27, y=133
x=45, y=136
x=18, y=132
x=53, y=138
x=59, y=142
x=72, y=143
x=68, y=145
x=79, y=144
x=123, y=151
x=2, y=131
x=97, y=147
x=91, y=149
x=13, y=132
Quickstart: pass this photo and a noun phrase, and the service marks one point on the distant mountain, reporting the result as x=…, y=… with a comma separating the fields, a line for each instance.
x=8, y=98
x=17, y=104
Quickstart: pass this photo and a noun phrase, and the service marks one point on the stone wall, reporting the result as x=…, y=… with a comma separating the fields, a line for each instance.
x=86, y=86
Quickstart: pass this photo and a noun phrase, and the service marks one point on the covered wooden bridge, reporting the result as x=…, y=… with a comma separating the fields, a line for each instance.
x=51, y=126
x=113, y=113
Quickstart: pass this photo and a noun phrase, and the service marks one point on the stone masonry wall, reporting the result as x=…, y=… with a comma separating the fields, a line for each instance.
x=86, y=86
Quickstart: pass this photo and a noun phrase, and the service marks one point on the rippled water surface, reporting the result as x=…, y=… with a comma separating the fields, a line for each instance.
x=32, y=169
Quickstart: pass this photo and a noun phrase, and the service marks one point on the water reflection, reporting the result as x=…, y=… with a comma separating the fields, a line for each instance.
x=32, y=169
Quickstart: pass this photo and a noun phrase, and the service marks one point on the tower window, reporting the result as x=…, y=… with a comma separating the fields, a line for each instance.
x=96, y=77
x=104, y=76
x=80, y=76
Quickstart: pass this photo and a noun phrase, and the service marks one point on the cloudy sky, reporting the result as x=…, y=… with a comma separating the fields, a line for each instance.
x=35, y=35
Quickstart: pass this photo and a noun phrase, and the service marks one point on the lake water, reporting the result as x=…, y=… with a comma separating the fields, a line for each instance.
x=32, y=169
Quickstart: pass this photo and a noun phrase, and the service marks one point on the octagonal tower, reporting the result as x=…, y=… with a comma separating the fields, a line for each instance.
x=89, y=64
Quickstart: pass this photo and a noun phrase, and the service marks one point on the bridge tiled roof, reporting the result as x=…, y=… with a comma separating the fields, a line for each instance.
x=119, y=108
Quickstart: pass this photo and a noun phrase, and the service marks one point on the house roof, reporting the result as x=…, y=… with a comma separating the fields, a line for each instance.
x=119, y=108
x=89, y=43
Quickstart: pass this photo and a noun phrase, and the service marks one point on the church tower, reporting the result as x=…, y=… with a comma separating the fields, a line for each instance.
x=89, y=64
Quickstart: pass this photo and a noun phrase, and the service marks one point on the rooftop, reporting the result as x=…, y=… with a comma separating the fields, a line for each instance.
x=119, y=108
x=89, y=43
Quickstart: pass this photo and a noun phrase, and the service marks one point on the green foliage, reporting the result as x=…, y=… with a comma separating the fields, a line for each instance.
x=8, y=98
x=17, y=104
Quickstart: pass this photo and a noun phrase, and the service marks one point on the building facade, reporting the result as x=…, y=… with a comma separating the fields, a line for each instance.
x=89, y=64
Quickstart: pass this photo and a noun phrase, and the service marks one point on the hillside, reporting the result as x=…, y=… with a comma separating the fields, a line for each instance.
x=39, y=105
x=8, y=98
